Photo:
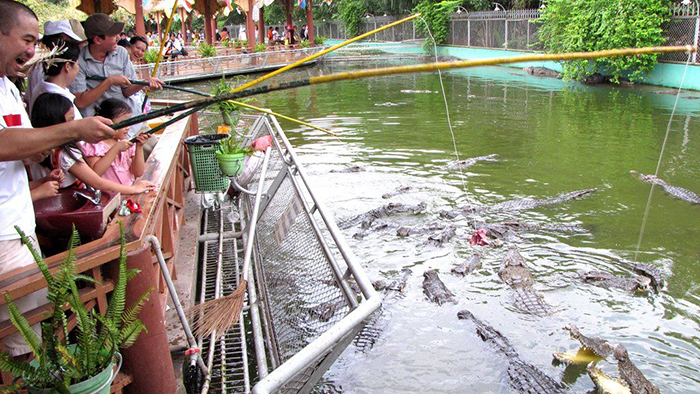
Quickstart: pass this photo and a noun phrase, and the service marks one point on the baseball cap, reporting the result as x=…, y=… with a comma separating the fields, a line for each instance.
x=101, y=24
x=63, y=27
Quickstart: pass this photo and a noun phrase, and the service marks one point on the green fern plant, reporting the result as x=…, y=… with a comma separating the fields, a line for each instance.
x=59, y=361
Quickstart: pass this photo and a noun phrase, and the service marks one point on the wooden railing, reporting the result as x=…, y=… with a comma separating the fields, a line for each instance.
x=168, y=168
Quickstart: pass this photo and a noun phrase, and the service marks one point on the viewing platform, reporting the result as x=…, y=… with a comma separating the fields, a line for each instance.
x=307, y=296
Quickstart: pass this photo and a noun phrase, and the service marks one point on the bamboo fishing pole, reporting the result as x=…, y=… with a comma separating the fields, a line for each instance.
x=403, y=70
x=199, y=93
x=323, y=52
x=142, y=118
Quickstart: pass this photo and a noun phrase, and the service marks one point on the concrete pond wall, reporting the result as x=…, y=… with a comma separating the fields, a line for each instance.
x=664, y=74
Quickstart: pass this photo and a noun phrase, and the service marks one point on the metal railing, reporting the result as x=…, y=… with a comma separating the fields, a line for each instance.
x=301, y=305
x=199, y=68
x=514, y=30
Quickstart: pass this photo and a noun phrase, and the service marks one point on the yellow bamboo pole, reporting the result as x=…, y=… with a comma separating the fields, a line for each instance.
x=267, y=111
x=402, y=70
x=162, y=38
x=323, y=52
x=500, y=60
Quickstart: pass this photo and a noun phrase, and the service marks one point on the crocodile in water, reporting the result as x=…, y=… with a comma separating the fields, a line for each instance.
x=651, y=272
x=470, y=265
x=442, y=237
x=519, y=204
x=436, y=290
x=634, y=378
x=523, y=377
x=515, y=274
x=509, y=230
x=370, y=333
x=607, y=280
x=471, y=161
x=400, y=190
x=367, y=218
x=605, y=384
x=675, y=191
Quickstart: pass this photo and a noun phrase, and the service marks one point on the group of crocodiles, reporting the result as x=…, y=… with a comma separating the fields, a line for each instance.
x=514, y=272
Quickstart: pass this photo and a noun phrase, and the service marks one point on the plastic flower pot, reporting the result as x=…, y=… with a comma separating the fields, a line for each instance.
x=231, y=164
x=98, y=384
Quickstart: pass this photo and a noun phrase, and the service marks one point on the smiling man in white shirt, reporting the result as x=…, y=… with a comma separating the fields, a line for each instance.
x=19, y=31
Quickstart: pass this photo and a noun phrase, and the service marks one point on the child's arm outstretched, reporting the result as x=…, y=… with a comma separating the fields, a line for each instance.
x=138, y=164
x=83, y=172
x=101, y=164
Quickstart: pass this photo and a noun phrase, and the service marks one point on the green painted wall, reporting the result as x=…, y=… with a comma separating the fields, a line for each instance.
x=664, y=74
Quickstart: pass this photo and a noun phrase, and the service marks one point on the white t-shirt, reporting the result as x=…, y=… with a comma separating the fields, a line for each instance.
x=65, y=162
x=49, y=87
x=16, y=207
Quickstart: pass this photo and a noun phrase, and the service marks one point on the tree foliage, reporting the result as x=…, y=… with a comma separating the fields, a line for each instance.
x=352, y=13
x=52, y=11
x=591, y=25
x=436, y=14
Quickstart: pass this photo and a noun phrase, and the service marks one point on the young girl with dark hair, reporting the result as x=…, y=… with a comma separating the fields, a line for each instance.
x=59, y=71
x=117, y=159
x=51, y=109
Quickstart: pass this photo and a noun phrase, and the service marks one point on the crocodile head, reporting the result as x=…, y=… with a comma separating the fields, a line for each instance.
x=513, y=258
x=620, y=353
x=469, y=209
x=643, y=282
x=573, y=331
x=647, y=178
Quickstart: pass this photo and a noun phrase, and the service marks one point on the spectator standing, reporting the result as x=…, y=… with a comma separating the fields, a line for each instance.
x=103, y=57
x=66, y=30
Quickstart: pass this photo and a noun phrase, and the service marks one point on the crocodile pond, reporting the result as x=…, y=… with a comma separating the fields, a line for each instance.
x=552, y=137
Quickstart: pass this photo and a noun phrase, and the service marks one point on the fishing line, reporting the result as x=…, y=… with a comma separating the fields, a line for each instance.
x=661, y=155
x=447, y=107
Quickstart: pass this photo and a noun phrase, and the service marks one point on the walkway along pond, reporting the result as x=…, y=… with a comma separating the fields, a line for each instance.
x=552, y=137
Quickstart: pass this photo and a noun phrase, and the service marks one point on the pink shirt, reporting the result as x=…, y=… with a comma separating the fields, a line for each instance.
x=120, y=169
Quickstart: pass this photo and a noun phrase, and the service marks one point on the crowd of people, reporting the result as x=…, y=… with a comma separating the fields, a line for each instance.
x=57, y=134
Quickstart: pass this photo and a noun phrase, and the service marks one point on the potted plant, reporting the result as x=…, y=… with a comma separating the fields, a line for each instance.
x=260, y=47
x=228, y=109
x=319, y=40
x=83, y=364
x=304, y=44
x=231, y=155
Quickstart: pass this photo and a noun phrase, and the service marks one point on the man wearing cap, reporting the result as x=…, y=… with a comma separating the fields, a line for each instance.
x=19, y=30
x=103, y=57
x=68, y=30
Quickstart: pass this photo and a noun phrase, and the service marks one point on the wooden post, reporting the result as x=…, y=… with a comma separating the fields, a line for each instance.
x=208, y=32
x=183, y=26
x=288, y=9
x=158, y=19
x=250, y=25
x=140, y=27
x=310, y=21
x=261, y=25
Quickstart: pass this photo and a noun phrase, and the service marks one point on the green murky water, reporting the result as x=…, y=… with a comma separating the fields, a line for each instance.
x=553, y=137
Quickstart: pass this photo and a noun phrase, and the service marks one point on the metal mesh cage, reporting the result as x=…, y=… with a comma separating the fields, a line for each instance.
x=679, y=31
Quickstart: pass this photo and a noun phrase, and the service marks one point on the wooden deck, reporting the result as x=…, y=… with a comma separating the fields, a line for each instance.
x=195, y=68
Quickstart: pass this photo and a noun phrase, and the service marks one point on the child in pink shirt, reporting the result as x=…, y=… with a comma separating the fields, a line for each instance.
x=116, y=159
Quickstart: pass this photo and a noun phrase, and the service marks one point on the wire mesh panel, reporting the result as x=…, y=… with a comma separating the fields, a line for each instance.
x=459, y=32
x=679, y=31
x=300, y=271
x=518, y=37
